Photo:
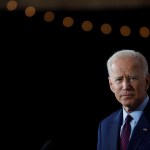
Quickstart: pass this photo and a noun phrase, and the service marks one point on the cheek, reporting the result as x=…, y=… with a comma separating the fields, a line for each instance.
x=139, y=87
x=117, y=93
x=116, y=90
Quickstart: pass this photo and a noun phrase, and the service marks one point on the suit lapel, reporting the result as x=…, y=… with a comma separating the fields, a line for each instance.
x=139, y=132
x=141, y=129
x=115, y=132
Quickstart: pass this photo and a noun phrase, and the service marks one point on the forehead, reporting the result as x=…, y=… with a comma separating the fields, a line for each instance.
x=126, y=65
x=129, y=62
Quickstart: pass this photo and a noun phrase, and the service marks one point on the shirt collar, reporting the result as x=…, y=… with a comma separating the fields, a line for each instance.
x=138, y=111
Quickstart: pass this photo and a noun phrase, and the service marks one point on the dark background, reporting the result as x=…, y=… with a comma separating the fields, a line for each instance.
x=54, y=79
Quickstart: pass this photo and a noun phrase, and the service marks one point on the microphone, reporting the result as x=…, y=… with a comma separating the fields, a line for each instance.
x=46, y=145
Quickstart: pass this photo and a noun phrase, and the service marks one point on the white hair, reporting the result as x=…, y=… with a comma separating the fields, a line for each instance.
x=128, y=53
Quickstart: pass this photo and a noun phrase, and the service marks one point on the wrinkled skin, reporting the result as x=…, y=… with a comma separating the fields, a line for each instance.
x=128, y=82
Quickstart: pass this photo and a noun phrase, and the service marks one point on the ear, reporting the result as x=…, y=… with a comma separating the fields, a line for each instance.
x=111, y=84
x=147, y=81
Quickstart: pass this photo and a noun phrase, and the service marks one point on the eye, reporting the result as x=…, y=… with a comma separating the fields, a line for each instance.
x=118, y=79
x=132, y=78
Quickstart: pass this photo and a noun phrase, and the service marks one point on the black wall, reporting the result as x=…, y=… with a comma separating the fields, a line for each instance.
x=54, y=79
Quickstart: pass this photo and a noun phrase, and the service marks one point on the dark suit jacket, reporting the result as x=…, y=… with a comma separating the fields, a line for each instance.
x=109, y=132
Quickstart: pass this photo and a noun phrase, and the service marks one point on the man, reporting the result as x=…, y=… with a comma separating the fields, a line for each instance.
x=129, y=81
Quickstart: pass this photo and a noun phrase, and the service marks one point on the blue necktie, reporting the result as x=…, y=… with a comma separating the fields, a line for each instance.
x=125, y=134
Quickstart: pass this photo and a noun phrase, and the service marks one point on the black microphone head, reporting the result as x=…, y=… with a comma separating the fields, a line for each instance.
x=47, y=145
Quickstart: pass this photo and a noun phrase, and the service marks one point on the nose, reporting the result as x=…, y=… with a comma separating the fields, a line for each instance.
x=126, y=84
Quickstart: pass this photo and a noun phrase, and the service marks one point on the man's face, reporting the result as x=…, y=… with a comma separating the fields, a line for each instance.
x=128, y=83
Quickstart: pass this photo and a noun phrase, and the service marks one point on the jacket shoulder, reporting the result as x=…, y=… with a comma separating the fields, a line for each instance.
x=112, y=116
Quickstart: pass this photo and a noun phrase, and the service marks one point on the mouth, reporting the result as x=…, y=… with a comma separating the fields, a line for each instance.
x=127, y=95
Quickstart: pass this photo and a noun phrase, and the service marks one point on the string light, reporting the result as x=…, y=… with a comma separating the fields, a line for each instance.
x=49, y=16
x=125, y=30
x=68, y=21
x=30, y=11
x=86, y=25
x=106, y=28
x=144, y=32
x=11, y=5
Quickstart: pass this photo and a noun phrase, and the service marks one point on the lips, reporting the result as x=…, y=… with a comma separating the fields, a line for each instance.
x=127, y=93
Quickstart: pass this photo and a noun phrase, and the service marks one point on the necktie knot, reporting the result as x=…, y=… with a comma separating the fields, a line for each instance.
x=128, y=119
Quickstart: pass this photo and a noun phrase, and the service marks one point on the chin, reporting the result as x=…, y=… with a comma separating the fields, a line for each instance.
x=127, y=103
x=128, y=106
x=127, y=99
